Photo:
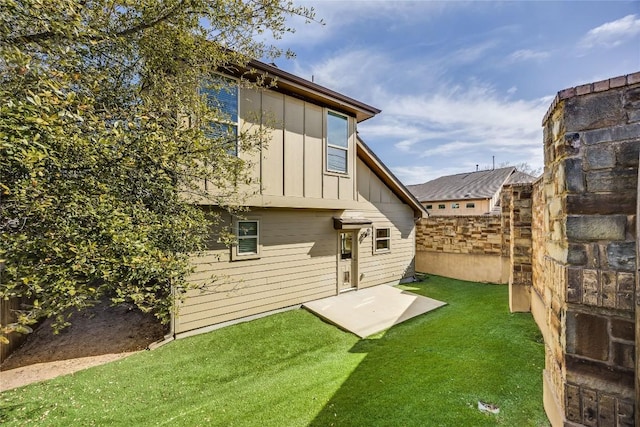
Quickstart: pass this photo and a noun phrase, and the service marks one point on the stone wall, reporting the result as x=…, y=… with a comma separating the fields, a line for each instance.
x=584, y=253
x=460, y=234
x=463, y=247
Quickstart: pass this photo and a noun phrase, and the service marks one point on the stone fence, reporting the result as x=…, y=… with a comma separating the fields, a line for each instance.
x=487, y=248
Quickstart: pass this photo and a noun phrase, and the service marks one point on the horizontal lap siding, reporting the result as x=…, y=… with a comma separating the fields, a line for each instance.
x=385, y=210
x=297, y=264
x=398, y=263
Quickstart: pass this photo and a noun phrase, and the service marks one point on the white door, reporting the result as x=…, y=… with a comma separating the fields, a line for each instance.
x=347, y=261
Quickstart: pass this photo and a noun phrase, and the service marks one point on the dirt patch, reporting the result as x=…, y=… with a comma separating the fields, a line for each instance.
x=97, y=335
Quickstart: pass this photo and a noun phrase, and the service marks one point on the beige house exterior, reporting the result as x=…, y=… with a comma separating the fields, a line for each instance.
x=470, y=193
x=327, y=216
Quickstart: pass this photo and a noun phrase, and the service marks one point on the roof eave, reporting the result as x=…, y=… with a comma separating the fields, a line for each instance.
x=382, y=172
x=290, y=82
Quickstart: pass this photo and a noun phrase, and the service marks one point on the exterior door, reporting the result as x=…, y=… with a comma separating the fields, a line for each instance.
x=347, y=261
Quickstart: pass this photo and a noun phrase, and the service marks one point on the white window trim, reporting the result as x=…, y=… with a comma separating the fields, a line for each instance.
x=375, y=240
x=347, y=149
x=237, y=256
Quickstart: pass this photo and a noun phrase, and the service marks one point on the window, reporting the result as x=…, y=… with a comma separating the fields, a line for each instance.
x=382, y=239
x=346, y=245
x=337, y=142
x=248, y=239
x=471, y=205
x=441, y=206
x=429, y=206
x=455, y=205
x=222, y=95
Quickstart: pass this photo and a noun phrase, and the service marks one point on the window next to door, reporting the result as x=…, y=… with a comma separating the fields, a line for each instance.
x=382, y=240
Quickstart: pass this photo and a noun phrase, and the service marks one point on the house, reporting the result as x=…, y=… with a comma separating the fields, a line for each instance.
x=470, y=193
x=327, y=216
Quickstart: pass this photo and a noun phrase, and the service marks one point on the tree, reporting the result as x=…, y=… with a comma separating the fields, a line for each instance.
x=97, y=169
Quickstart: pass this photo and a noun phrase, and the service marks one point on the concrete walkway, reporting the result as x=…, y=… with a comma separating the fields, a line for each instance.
x=371, y=310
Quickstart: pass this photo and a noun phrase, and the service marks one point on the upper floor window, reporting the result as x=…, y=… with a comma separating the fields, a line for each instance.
x=337, y=142
x=441, y=206
x=429, y=206
x=471, y=205
x=455, y=205
x=222, y=96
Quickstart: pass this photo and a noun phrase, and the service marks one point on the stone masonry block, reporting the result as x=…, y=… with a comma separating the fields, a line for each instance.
x=574, y=285
x=572, y=402
x=618, y=81
x=623, y=329
x=589, y=408
x=606, y=410
x=612, y=180
x=625, y=301
x=590, y=287
x=577, y=254
x=608, y=289
x=627, y=153
x=601, y=203
x=593, y=111
x=626, y=282
x=625, y=414
x=601, y=86
x=595, y=227
x=623, y=354
x=570, y=147
x=622, y=256
x=574, y=175
x=587, y=335
x=600, y=156
x=631, y=98
x=633, y=78
x=611, y=134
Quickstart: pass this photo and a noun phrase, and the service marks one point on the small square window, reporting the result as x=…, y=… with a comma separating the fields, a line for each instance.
x=455, y=205
x=441, y=206
x=247, y=233
x=429, y=206
x=382, y=240
x=471, y=205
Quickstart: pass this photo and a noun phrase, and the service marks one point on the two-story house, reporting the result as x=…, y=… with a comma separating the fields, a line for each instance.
x=469, y=193
x=327, y=216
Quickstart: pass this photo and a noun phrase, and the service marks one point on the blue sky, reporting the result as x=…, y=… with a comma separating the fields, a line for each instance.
x=460, y=82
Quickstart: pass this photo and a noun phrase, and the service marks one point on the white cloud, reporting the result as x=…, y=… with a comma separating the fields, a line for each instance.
x=528, y=55
x=612, y=33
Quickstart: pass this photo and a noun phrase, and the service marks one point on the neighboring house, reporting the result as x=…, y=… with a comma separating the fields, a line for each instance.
x=327, y=216
x=471, y=193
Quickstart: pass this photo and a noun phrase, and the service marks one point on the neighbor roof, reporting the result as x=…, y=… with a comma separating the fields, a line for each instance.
x=469, y=185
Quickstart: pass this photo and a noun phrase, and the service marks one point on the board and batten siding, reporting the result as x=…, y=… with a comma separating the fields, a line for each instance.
x=292, y=163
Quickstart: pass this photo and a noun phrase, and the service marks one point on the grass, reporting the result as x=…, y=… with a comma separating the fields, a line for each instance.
x=292, y=369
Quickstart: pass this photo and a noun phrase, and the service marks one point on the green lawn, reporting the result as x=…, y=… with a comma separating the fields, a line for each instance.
x=291, y=369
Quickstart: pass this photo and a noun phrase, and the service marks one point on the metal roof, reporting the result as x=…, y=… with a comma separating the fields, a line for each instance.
x=470, y=185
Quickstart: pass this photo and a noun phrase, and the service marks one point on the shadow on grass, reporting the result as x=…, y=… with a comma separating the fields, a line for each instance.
x=432, y=370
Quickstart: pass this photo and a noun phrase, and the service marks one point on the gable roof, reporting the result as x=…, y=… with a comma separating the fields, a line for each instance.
x=389, y=179
x=470, y=185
